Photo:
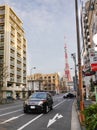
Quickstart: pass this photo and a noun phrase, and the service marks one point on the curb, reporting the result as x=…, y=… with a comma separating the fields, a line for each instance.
x=78, y=114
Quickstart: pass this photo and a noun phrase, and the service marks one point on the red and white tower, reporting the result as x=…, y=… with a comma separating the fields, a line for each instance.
x=67, y=69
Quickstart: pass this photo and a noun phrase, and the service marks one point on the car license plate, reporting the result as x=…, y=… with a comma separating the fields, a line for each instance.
x=32, y=107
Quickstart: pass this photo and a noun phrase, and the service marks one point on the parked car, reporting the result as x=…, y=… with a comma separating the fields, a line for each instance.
x=38, y=102
x=69, y=95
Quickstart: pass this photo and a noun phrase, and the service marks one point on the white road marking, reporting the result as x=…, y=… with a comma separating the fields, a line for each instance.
x=59, y=104
x=51, y=121
x=10, y=107
x=29, y=122
x=22, y=127
x=10, y=112
x=13, y=118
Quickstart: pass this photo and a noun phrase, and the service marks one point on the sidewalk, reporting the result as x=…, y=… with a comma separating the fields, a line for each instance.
x=75, y=122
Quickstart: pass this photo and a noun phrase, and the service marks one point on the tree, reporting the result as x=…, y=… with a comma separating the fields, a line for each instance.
x=3, y=74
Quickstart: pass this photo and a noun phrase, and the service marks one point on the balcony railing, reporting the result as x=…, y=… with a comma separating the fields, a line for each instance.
x=19, y=80
x=2, y=12
x=13, y=33
x=12, y=62
x=12, y=71
x=11, y=79
x=12, y=55
x=1, y=20
x=1, y=52
x=19, y=65
x=18, y=73
x=2, y=45
x=18, y=58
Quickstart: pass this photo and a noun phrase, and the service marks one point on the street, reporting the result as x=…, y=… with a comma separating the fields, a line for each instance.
x=12, y=116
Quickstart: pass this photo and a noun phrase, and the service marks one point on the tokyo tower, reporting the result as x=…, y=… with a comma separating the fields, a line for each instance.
x=67, y=69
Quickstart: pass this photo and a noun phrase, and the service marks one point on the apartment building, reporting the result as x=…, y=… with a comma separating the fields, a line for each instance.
x=51, y=82
x=47, y=82
x=13, y=51
x=89, y=20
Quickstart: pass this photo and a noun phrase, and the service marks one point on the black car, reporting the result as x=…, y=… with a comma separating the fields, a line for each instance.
x=69, y=95
x=38, y=102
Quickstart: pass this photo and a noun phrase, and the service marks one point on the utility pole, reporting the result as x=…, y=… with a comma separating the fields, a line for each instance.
x=74, y=59
x=80, y=86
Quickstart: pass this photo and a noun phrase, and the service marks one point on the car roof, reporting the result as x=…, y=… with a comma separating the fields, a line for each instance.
x=42, y=92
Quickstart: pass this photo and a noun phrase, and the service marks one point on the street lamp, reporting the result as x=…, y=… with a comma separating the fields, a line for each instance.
x=31, y=70
x=79, y=62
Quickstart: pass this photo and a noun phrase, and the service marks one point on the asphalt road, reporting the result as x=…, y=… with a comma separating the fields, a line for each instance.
x=13, y=118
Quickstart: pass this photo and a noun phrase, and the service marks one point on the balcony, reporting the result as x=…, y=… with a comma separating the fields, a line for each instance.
x=24, y=81
x=19, y=45
x=18, y=73
x=24, y=61
x=24, y=75
x=12, y=71
x=24, y=54
x=2, y=31
x=1, y=52
x=19, y=39
x=12, y=55
x=13, y=33
x=13, y=48
x=2, y=12
x=2, y=44
x=12, y=79
x=18, y=65
x=1, y=20
x=19, y=59
x=1, y=61
x=24, y=68
x=1, y=27
x=12, y=63
x=19, y=51
x=12, y=40
x=18, y=80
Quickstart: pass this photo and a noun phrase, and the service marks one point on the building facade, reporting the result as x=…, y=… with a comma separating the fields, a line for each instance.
x=13, y=51
x=47, y=82
x=89, y=20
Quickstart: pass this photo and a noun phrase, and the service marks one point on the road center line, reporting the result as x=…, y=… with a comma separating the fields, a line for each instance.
x=37, y=117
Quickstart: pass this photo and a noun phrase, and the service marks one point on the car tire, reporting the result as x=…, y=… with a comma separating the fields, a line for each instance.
x=46, y=109
x=25, y=111
x=51, y=108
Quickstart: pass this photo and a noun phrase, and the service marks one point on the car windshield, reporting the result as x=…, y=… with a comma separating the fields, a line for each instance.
x=38, y=95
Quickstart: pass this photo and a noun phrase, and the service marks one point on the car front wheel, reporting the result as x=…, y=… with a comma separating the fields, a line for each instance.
x=51, y=108
x=25, y=111
x=46, y=109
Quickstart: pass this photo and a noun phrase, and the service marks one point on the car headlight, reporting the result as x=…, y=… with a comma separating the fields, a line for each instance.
x=40, y=102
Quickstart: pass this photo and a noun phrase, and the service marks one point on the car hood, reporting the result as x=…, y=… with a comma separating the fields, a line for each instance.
x=34, y=101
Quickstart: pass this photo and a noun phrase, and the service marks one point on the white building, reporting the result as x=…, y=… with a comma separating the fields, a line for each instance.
x=12, y=54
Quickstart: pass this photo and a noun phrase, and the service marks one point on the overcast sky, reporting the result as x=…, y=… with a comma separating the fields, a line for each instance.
x=48, y=25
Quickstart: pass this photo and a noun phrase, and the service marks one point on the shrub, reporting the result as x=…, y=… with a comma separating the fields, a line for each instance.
x=90, y=114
